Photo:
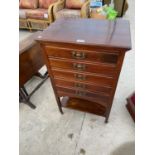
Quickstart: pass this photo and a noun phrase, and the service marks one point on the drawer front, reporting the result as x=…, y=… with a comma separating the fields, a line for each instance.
x=102, y=57
x=82, y=94
x=75, y=76
x=83, y=86
x=84, y=67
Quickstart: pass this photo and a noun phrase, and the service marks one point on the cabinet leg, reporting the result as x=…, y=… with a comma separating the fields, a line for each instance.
x=59, y=104
x=106, y=120
x=61, y=110
x=60, y=107
x=107, y=116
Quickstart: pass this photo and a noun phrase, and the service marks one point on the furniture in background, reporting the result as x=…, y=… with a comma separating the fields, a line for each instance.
x=71, y=9
x=131, y=105
x=120, y=6
x=35, y=14
x=38, y=14
x=96, y=15
x=30, y=61
x=84, y=67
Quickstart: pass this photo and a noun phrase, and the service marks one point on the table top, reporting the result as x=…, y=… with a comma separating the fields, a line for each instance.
x=28, y=42
x=89, y=32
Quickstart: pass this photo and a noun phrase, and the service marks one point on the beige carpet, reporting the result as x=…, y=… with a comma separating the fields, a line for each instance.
x=44, y=131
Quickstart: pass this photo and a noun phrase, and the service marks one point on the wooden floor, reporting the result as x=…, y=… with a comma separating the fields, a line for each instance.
x=44, y=131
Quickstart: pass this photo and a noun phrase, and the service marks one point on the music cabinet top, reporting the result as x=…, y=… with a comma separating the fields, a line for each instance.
x=106, y=33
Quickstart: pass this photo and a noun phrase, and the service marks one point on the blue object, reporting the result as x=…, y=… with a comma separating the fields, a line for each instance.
x=95, y=3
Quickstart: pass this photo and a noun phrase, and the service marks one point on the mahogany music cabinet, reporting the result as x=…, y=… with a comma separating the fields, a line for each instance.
x=84, y=59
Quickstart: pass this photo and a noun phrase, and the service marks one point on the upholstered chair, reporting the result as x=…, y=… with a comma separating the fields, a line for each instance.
x=71, y=9
x=35, y=14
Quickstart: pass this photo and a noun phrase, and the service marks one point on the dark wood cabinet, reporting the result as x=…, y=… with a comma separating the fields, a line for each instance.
x=84, y=59
x=30, y=58
x=30, y=61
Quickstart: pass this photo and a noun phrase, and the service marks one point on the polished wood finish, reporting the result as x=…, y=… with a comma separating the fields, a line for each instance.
x=83, y=105
x=90, y=78
x=79, y=85
x=30, y=58
x=83, y=66
x=102, y=33
x=84, y=59
x=103, y=56
x=83, y=94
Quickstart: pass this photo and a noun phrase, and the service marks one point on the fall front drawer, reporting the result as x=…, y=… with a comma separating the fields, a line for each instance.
x=109, y=70
x=83, y=94
x=76, y=76
x=83, y=86
x=102, y=57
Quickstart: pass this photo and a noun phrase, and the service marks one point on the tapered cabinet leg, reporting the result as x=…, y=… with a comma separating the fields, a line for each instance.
x=59, y=104
x=61, y=111
x=107, y=115
x=106, y=120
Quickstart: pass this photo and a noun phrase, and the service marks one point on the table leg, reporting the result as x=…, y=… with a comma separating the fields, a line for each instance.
x=25, y=99
x=41, y=76
x=25, y=91
x=39, y=85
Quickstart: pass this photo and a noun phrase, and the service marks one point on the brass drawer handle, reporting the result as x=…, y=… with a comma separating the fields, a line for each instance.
x=78, y=55
x=80, y=93
x=79, y=77
x=79, y=85
x=80, y=67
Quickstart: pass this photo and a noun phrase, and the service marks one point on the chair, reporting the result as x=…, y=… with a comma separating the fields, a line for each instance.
x=36, y=14
x=71, y=9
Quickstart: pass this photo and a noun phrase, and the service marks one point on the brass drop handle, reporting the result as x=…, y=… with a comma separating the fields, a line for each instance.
x=79, y=77
x=80, y=67
x=79, y=85
x=78, y=55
